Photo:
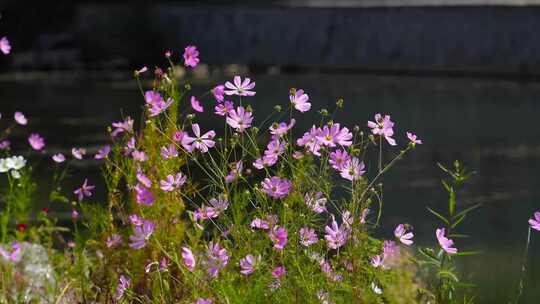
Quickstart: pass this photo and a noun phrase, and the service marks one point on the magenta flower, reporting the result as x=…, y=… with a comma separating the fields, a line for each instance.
x=383, y=127
x=279, y=272
x=278, y=130
x=300, y=101
x=308, y=236
x=155, y=103
x=179, y=136
x=5, y=47
x=4, y=144
x=144, y=196
x=168, y=53
x=249, y=264
x=74, y=214
x=275, y=148
x=235, y=173
x=218, y=92
x=310, y=141
x=36, y=141
x=203, y=301
x=364, y=215
x=258, y=223
x=224, y=108
x=276, y=187
x=377, y=261
x=84, y=190
x=390, y=254
x=240, y=88
x=412, y=137
x=191, y=56
x=103, y=152
x=405, y=237
x=12, y=256
x=336, y=236
x=535, y=221
x=59, y=158
x=142, y=234
x=219, y=204
x=205, y=213
x=169, y=152
x=135, y=220
x=239, y=119
x=315, y=202
x=122, y=126
x=338, y=159
x=113, y=240
x=121, y=288
x=353, y=169
x=189, y=258
x=217, y=258
x=335, y=136
x=139, y=156
x=196, y=105
x=446, y=243
x=20, y=118
x=173, y=182
x=201, y=143
x=143, y=179
x=278, y=235
x=78, y=153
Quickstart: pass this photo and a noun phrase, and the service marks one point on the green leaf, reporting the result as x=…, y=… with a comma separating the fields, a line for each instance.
x=448, y=275
x=442, y=218
x=458, y=236
x=456, y=222
x=452, y=202
x=467, y=253
x=468, y=210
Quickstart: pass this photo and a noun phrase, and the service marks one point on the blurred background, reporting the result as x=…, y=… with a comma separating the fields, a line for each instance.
x=462, y=74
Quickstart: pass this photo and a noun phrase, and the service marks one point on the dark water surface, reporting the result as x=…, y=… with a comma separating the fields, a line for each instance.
x=490, y=125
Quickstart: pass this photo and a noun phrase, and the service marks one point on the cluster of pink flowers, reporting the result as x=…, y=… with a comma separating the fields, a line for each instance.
x=155, y=103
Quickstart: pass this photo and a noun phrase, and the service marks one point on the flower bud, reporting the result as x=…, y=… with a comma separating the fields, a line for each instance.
x=277, y=108
x=339, y=103
x=324, y=112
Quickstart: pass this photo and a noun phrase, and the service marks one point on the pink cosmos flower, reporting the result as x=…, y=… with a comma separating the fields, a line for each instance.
x=239, y=119
x=364, y=215
x=20, y=118
x=78, y=153
x=141, y=70
x=249, y=264
x=5, y=46
x=218, y=92
x=276, y=187
x=191, y=56
x=196, y=105
x=168, y=53
x=278, y=130
x=310, y=141
x=235, y=173
x=300, y=101
x=143, y=179
x=113, y=240
x=216, y=259
x=265, y=161
x=383, y=127
x=405, y=237
x=279, y=272
x=179, y=136
x=139, y=156
x=240, y=88
x=169, y=152
x=224, y=108
x=446, y=243
x=201, y=143
x=59, y=158
x=142, y=234
x=258, y=223
x=338, y=159
x=155, y=103
x=205, y=213
x=135, y=220
x=12, y=256
x=121, y=288
x=84, y=190
x=535, y=221
x=377, y=261
x=336, y=236
x=74, y=214
x=203, y=301
x=103, y=152
x=144, y=196
x=219, y=204
x=412, y=137
x=173, y=182
x=36, y=141
x=189, y=258
x=316, y=202
x=122, y=126
x=308, y=236
x=278, y=235
x=335, y=136
x=390, y=254
x=353, y=169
